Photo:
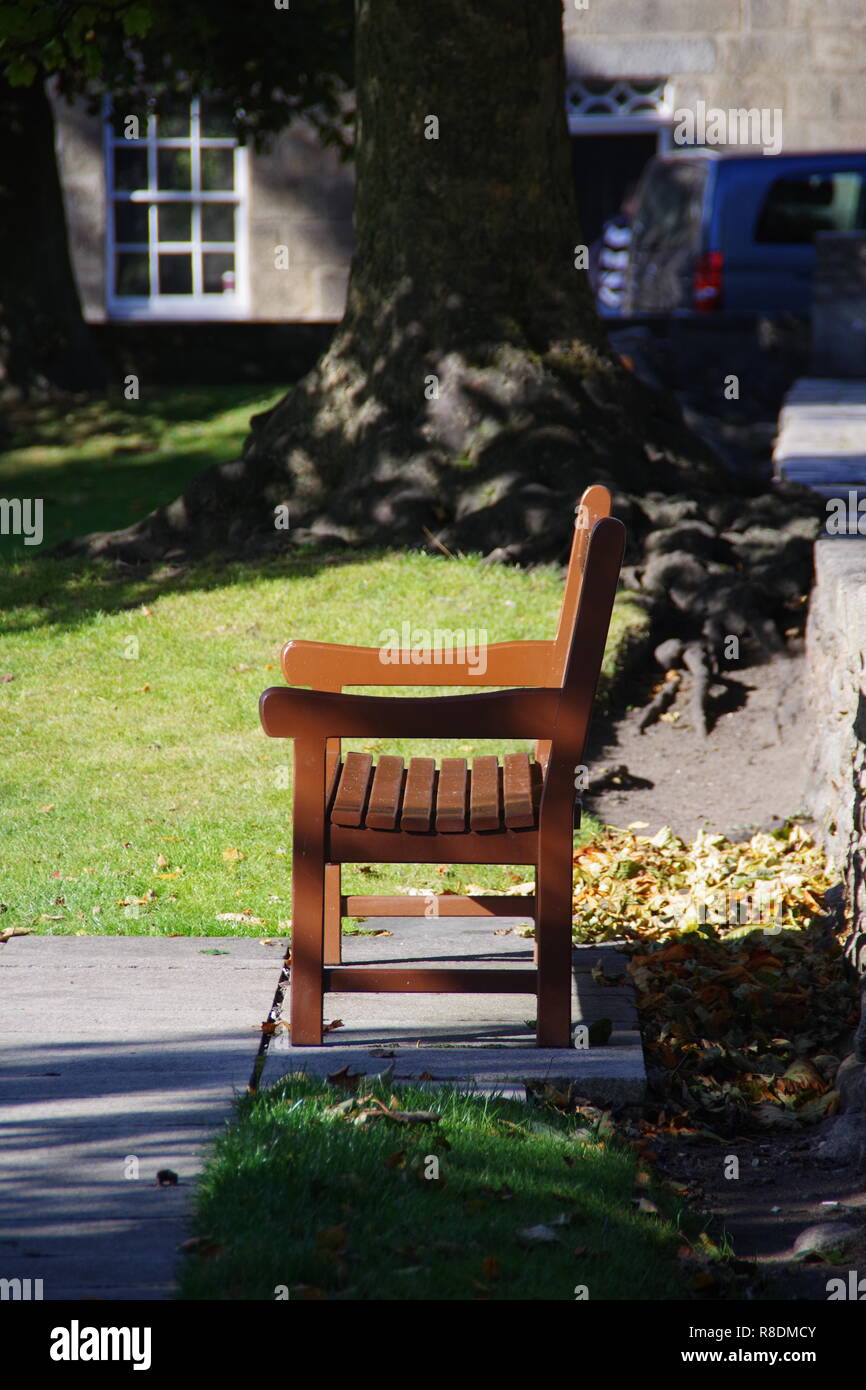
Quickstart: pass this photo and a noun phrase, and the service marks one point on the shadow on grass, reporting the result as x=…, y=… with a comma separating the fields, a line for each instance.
x=68, y=593
x=106, y=463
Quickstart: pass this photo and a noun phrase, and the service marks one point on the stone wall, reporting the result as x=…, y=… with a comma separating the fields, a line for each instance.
x=836, y=695
x=806, y=57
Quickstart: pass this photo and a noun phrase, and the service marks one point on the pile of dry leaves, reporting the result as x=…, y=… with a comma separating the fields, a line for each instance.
x=745, y=999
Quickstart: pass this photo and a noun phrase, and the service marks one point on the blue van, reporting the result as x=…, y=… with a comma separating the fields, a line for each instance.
x=734, y=233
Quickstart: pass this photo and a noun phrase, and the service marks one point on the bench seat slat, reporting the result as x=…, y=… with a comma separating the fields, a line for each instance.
x=418, y=794
x=517, y=791
x=451, y=796
x=485, y=812
x=385, y=793
x=351, y=797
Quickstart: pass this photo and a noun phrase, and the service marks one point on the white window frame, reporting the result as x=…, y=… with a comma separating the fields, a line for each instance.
x=231, y=304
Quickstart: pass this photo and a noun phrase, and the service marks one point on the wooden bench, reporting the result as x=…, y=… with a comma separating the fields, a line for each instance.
x=350, y=810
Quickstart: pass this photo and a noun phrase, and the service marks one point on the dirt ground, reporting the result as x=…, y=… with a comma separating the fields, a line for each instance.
x=746, y=774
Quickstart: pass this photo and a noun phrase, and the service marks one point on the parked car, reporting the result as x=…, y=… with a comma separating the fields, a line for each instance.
x=734, y=233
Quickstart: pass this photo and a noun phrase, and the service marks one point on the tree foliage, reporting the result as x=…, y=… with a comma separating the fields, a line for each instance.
x=268, y=65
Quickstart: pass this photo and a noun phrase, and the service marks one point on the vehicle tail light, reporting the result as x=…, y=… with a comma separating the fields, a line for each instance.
x=707, y=290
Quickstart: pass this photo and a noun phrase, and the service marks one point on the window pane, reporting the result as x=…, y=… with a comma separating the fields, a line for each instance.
x=174, y=221
x=173, y=121
x=217, y=222
x=130, y=222
x=217, y=170
x=130, y=168
x=131, y=273
x=216, y=119
x=174, y=170
x=175, y=274
x=795, y=209
x=218, y=272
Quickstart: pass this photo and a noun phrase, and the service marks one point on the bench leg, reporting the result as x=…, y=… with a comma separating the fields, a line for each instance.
x=308, y=916
x=553, y=912
x=333, y=919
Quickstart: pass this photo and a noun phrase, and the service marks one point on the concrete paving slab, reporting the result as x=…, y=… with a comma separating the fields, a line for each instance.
x=484, y=1041
x=121, y=1055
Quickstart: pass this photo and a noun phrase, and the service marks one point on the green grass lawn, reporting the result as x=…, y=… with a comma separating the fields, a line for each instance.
x=102, y=463
x=139, y=794
x=493, y=1201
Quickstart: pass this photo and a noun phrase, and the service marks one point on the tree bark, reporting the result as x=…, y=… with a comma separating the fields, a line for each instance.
x=44, y=341
x=469, y=392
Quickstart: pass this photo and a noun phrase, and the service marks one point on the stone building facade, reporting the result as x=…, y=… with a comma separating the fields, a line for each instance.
x=177, y=225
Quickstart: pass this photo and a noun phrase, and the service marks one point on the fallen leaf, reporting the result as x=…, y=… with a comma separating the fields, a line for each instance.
x=537, y=1235
x=644, y=1204
x=231, y=856
x=344, y=1078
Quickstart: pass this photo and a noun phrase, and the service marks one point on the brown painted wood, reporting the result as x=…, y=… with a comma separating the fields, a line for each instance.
x=553, y=687
x=350, y=845
x=324, y=666
x=447, y=905
x=351, y=799
x=485, y=796
x=333, y=915
x=393, y=979
x=417, y=810
x=517, y=791
x=385, y=794
x=451, y=795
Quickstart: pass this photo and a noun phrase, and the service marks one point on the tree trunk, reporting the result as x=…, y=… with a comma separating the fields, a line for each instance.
x=44, y=341
x=469, y=391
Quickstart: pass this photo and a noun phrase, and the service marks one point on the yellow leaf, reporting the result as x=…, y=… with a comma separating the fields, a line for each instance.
x=231, y=856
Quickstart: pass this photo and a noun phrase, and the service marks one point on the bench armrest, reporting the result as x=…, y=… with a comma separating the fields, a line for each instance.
x=316, y=714
x=327, y=666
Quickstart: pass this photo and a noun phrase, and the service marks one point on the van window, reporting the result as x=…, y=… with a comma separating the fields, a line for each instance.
x=670, y=204
x=796, y=208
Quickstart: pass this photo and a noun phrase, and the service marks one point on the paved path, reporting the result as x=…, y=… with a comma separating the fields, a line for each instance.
x=115, y=1049
x=122, y=1055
